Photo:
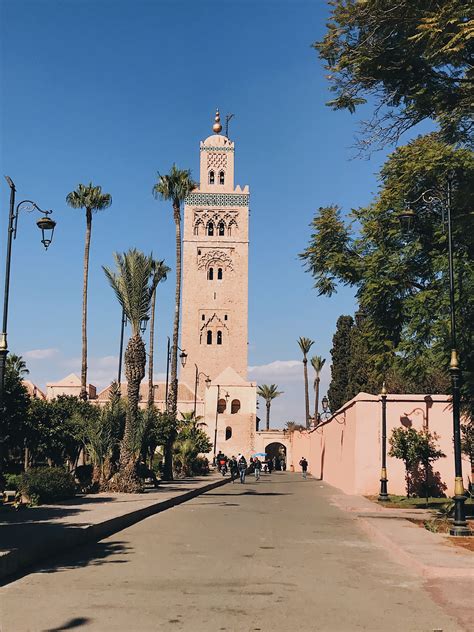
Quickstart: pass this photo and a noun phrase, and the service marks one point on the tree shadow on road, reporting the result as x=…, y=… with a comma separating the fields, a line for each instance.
x=87, y=555
x=71, y=624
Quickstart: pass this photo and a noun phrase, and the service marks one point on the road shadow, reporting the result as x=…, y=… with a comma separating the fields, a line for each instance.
x=71, y=624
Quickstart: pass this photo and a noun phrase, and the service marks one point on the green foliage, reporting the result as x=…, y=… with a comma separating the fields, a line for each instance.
x=413, y=60
x=133, y=284
x=12, y=481
x=16, y=401
x=55, y=429
x=190, y=443
x=174, y=186
x=305, y=345
x=402, y=282
x=45, y=485
x=414, y=447
x=268, y=392
x=340, y=357
x=89, y=197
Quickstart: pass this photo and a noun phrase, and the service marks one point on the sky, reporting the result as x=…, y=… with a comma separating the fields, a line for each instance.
x=113, y=91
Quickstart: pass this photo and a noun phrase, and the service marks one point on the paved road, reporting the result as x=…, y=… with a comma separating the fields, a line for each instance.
x=273, y=556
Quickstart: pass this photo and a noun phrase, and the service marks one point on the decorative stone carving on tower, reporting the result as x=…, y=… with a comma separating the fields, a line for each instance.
x=215, y=289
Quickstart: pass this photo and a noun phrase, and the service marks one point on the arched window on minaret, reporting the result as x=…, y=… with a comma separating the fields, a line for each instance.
x=228, y=433
x=219, y=274
x=210, y=274
x=221, y=177
x=209, y=337
x=210, y=229
x=221, y=229
x=219, y=337
x=211, y=177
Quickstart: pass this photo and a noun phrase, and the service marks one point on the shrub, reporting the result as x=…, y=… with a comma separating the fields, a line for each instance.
x=12, y=482
x=47, y=484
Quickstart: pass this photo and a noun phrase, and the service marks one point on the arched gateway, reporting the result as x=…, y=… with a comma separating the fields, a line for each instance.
x=278, y=450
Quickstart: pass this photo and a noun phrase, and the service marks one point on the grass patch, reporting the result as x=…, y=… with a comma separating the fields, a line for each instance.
x=402, y=502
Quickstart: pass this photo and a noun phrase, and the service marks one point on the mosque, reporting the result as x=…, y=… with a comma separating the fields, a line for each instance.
x=214, y=322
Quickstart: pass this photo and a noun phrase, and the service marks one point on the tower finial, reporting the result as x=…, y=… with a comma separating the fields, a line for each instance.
x=217, y=127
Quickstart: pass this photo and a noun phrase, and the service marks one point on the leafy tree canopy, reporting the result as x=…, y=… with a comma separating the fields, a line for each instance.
x=414, y=59
x=402, y=282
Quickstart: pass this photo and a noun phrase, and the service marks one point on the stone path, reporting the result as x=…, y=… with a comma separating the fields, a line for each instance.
x=273, y=556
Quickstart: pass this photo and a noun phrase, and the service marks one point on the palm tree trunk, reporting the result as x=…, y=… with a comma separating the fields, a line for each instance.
x=172, y=403
x=268, y=415
x=152, y=346
x=306, y=393
x=83, y=394
x=316, y=399
x=135, y=362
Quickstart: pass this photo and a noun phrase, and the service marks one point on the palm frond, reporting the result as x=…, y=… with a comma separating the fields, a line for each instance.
x=89, y=197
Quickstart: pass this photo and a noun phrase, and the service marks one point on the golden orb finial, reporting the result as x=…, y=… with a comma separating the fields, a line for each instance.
x=217, y=127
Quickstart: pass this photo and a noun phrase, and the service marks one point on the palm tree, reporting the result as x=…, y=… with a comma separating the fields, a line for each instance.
x=268, y=393
x=17, y=365
x=132, y=284
x=159, y=272
x=305, y=345
x=317, y=363
x=92, y=199
x=175, y=187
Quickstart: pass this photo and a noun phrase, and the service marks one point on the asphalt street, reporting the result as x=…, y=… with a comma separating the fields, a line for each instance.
x=272, y=556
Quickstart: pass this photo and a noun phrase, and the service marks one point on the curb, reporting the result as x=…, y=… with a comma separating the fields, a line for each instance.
x=15, y=563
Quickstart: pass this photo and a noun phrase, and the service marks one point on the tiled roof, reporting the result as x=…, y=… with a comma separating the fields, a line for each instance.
x=184, y=392
x=33, y=390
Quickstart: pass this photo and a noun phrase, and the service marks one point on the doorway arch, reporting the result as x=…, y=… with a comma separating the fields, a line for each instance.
x=278, y=450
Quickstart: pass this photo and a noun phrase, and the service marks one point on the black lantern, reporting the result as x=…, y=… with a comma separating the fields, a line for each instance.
x=184, y=356
x=46, y=226
x=407, y=220
x=208, y=381
x=144, y=323
x=325, y=404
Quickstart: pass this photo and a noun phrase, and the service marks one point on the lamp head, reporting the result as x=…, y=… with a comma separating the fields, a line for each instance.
x=325, y=404
x=407, y=220
x=208, y=381
x=183, y=356
x=143, y=324
x=46, y=226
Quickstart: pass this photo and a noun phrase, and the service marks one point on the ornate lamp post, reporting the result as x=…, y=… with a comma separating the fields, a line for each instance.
x=435, y=199
x=196, y=384
x=217, y=416
x=326, y=412
x=46, y=224
x=183, y=357
x=383, y=496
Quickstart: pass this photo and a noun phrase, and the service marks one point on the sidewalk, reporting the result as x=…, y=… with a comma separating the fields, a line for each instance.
x=29, y=536
x=431, y=554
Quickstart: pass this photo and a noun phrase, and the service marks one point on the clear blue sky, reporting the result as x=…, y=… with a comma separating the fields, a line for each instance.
x=111, y=91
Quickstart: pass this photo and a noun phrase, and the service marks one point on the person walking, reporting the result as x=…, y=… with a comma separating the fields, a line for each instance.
x=270, y=465
x=304, y=466
x=242, y=468
x=257, y=464
x=234, y=468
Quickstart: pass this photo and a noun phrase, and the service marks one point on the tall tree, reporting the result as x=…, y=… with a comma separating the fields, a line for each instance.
x=159, y=272
x=317, y=362
x=340, y=357
x=92, y=199
x=305, y=345
x=401, y=282
x=131, y=282
x=18, y=365
x=268, y=393
x=174, y=187
x=413, y=60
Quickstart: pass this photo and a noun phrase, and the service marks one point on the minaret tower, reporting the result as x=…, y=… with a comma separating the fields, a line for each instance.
x=215, y=265
x=215, y=298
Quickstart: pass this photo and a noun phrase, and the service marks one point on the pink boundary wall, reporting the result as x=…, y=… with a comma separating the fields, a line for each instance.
x=345, y=451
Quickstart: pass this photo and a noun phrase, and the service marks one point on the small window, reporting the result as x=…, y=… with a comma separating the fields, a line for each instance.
x=210, y=274
x=196, y=229
x=225, y=317
x=221, y=229
x=221, y=406
x=228, y=433
x=209, y=337
x=219, y=337
x=221, y=177
x=235, y=406
x=210, y=229
x=219, y=274
x=211, y=177
x=199, y=252
x=203, y=317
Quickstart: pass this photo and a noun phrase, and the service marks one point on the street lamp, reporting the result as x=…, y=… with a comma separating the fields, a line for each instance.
x=217, y=415
x=196, y=383
x=183, y=357
x=326, y=412
x=441, y=198
x=46, y=224
x=383, y=496
x=143, y=324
